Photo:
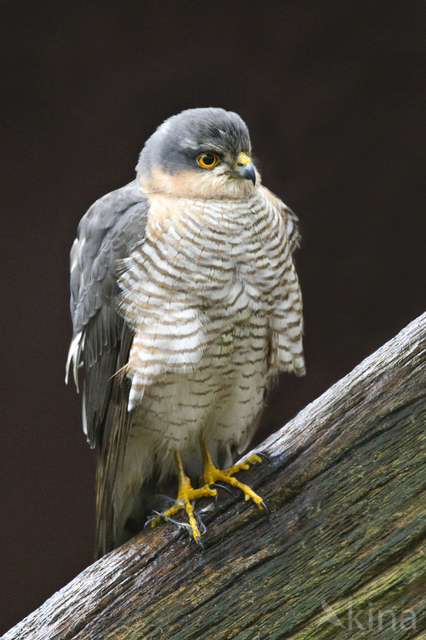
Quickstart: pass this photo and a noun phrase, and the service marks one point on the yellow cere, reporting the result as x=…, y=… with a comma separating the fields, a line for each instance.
x=243, y=159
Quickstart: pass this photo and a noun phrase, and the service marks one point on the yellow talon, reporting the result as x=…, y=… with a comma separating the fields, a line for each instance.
x=211, y=474
x=186, y=493
x=184, y=497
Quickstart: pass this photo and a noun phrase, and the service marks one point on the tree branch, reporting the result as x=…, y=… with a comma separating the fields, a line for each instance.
x=343, y=552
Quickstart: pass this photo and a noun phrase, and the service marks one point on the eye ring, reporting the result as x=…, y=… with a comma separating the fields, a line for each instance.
x=207, y=160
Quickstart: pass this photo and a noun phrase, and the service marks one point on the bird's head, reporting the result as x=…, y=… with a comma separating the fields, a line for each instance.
x=199, y=153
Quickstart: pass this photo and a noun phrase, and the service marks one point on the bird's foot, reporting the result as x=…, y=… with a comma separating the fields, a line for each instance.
x=211, y=474
x=186, y=494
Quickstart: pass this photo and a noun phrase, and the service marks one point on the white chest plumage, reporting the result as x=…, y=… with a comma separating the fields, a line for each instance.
x=214, y=301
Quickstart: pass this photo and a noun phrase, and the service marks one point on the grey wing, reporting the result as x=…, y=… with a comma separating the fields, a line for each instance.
x=107, y=233
x=102, y=340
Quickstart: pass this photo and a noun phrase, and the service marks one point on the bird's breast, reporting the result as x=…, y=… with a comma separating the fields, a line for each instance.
x=201, y=272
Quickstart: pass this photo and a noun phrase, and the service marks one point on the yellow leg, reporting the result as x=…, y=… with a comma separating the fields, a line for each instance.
x=183, y=501
x=211, y=474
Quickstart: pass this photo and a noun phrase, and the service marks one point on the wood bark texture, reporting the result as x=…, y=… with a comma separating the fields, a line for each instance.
x=342, y=556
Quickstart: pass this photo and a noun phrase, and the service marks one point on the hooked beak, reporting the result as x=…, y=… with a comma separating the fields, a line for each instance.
x=248, y=173
x=245, y=168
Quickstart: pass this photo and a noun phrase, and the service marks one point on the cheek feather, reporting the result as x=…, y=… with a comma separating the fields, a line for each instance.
x=195, y=184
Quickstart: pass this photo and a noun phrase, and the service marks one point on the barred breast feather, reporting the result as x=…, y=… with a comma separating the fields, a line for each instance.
x=203, y=268
x=213, y=299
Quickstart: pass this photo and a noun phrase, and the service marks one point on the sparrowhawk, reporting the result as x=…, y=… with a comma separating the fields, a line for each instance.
x=185, y=304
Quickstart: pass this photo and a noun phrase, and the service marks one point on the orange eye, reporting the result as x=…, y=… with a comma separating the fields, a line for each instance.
x=207, y=160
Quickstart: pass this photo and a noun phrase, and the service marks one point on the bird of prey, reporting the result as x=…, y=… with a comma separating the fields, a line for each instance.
x=185, y=305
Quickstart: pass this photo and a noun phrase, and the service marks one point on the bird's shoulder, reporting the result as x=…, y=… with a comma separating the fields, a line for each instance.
x=106, y=233
x=291, y=221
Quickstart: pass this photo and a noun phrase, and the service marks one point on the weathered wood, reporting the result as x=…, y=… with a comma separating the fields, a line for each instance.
x=342, y=556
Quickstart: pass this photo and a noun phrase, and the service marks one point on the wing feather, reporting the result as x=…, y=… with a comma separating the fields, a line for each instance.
x=102, y=340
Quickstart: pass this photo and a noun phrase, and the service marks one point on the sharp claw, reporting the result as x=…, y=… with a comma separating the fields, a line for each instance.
x=200, y=523
x=265, y=508
x=221, y=486
x=264, y=455
x=200, y=544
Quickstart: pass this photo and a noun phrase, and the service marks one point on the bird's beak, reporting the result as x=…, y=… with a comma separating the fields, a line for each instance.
x=245, y=168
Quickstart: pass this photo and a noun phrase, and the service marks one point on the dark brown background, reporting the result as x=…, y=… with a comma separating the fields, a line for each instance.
x=334, y=96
